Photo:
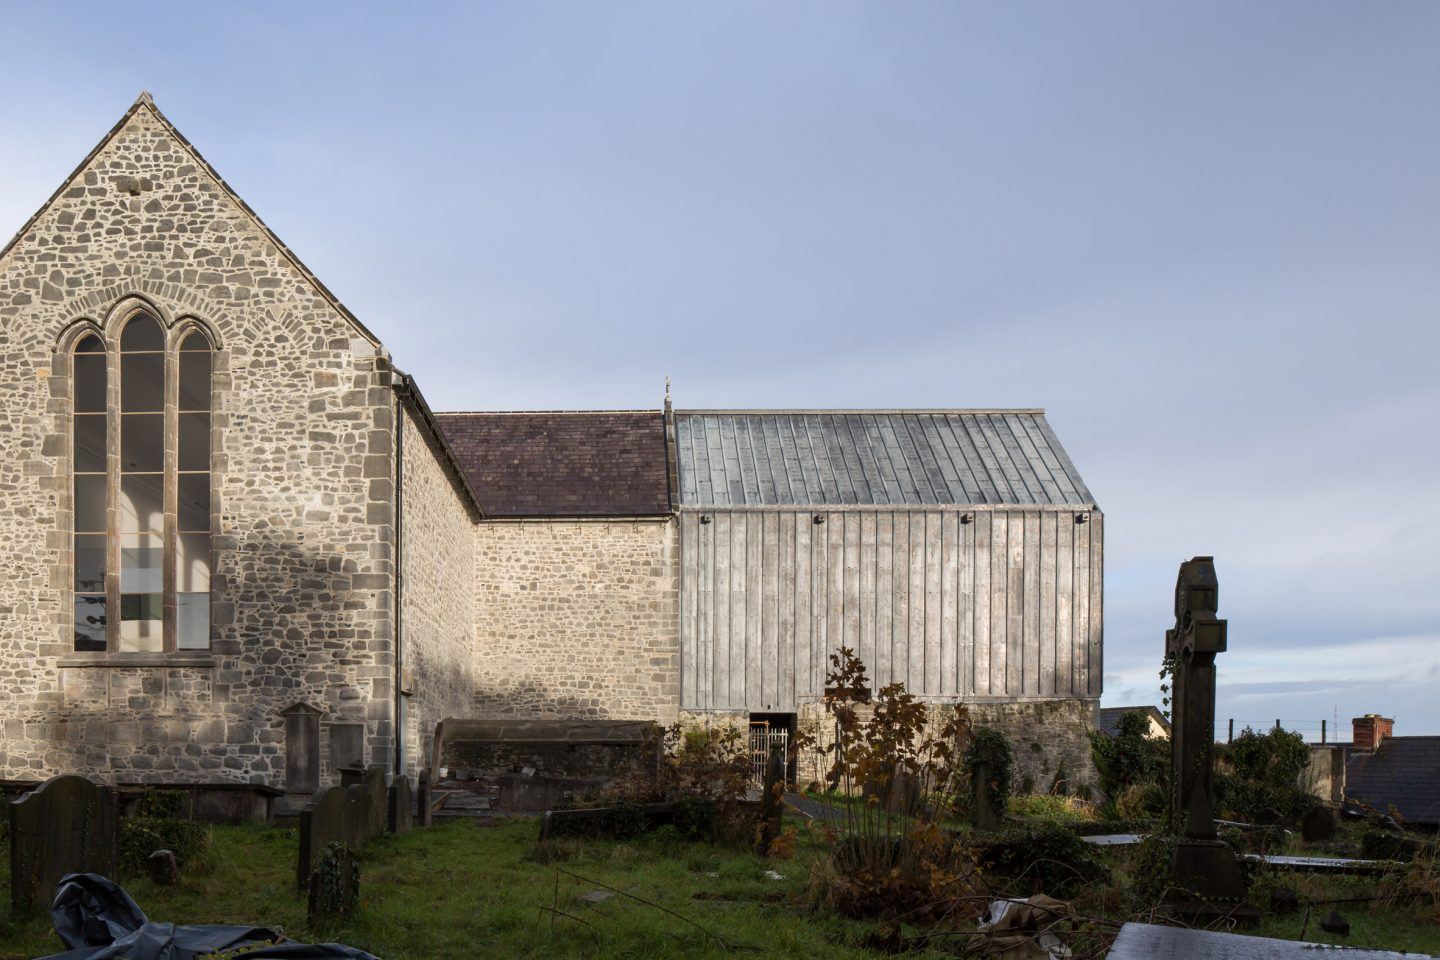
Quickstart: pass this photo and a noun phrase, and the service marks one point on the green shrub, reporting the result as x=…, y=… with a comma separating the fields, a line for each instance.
x=1047, y=857
x=1141, y=801
x=1259, y=780
x=1129, y=757
x=142, y=836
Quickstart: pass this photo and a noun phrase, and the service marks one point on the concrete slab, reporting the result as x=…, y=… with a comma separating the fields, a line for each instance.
x=1115, y=839
x=1341, y=865
x=1145, y=941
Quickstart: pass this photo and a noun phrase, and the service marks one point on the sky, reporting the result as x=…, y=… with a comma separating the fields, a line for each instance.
x=1204, y=236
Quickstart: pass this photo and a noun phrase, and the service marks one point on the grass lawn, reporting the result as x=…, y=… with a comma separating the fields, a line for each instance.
x=461, y=890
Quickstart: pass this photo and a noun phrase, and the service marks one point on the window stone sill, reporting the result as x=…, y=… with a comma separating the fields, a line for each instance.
x=201, y=659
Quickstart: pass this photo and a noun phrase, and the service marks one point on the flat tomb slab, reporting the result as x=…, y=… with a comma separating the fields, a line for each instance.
x=1114, y=839
x=1342, y=865
x=1146, y=941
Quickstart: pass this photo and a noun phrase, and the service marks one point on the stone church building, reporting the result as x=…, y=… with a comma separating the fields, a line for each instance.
x=242, y=548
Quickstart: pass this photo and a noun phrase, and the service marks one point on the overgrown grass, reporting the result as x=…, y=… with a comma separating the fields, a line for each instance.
x=1051, y=807
x=464, y=890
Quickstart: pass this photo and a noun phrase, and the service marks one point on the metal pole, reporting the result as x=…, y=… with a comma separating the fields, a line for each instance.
x=1230, y=737
x=1322, y=732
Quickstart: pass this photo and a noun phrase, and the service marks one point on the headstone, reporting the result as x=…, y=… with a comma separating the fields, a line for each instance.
x=425, y=799
x=401, y=806
x=1318, y=824
x=347, y=745
x=983, y=815
x=334, y=887
x=377, y=803
x=1284, y=900
x=1335, y=923
x=322, y=822
x=1203, y=869
x=65, y=825
x=772, y=793
x=163, y=868
x=302, y=747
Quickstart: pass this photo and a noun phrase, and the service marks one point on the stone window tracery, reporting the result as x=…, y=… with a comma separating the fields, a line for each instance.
x=141, y=486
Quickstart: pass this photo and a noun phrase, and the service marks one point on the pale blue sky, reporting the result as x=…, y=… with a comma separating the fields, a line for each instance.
x=1205, y=236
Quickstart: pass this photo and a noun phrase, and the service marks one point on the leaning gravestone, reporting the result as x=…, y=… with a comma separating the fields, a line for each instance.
x=983, y=815
x=401, y=806
x=1205, y=874
x=65, y=825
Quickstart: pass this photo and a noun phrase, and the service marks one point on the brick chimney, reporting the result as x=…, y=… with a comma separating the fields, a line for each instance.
x=1370, y=730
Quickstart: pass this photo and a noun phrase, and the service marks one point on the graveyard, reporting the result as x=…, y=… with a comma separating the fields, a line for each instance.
x=916, y=843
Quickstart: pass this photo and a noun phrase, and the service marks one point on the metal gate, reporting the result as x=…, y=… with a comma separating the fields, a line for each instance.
x=763, y=736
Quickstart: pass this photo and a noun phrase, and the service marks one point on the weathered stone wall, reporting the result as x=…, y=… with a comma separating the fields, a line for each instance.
x=437, y=647
x=302, y=537
x=1048, y=739
x=577, y=619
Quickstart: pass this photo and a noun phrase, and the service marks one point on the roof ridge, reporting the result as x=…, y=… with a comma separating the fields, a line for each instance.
x=507, y=413
x=822, y=411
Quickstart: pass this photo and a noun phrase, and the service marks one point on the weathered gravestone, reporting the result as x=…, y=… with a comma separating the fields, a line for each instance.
x=771, y=795
x=1204, y=872
x=425, y=799
x=402, y=806
x=65, y=825
x=983, y=815
x=334, y=884
x=1318, y=823
x=325, y=820
x=1144, y=941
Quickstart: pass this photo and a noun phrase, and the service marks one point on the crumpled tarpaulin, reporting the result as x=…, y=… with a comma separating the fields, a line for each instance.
x=1023, y=929
x=97, y=920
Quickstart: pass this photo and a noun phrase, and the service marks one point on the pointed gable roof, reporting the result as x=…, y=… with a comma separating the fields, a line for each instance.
x=147, y=103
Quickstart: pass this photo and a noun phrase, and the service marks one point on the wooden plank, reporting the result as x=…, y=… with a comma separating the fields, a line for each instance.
x=984, y=590
x=965, y=612
x=1015, y=608
x=1064, y=605
x=934, y=614
x=689, y=619
x=915, y=672
x=866, y=586
x=900, y=602
x=835, y=585
x=851, y=547
x=950, y=572
x=1097, y=603
x=769, y=648
x=1031, y=643
x=785, y=629
x=804, y=562
x=999, y=604
x=754, y=601
x=884, y=598
x=738, y=624
x=819, y=599
x=720, y=656
x=1048, y=658
x=705, y=626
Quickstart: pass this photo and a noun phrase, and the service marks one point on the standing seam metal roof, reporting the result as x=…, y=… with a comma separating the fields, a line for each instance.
x=837, y=457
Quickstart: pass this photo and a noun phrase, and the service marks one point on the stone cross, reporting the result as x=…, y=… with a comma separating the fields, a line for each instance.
x=1191, y=645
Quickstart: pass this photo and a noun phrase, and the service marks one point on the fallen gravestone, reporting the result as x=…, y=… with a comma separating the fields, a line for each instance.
x=66, y=825
x=1114, y=839
x=1335, y=865
x=1318, y=824
x=1145, y=941
x=605, y=821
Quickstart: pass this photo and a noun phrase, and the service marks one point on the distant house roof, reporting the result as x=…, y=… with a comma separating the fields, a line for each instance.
x=836, y=457
x=1404, y=772
x=1107, y=719
x=604, y=463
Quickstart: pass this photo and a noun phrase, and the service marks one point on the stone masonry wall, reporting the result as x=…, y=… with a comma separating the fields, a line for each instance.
x=302, y=538
x=437, y=609
x=577, y=619
x=1048, y=739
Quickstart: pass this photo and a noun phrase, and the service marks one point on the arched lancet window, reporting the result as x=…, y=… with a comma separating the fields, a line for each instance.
x=142, y=491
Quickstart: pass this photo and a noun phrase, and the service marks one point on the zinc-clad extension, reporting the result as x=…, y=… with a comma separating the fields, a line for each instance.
x=957, y=551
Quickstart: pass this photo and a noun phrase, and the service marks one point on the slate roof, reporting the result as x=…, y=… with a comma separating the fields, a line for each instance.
x=604, y=463
x=1404, y=772
x=1107, y=719
x=836, y=457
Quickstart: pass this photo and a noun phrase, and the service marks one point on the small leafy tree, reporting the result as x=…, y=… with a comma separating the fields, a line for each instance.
x=1260, y=776
x=1130, y=757
x=899, y=768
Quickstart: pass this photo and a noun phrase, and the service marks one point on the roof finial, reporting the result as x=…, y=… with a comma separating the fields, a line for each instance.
x=667, y=395
x=145, y=98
